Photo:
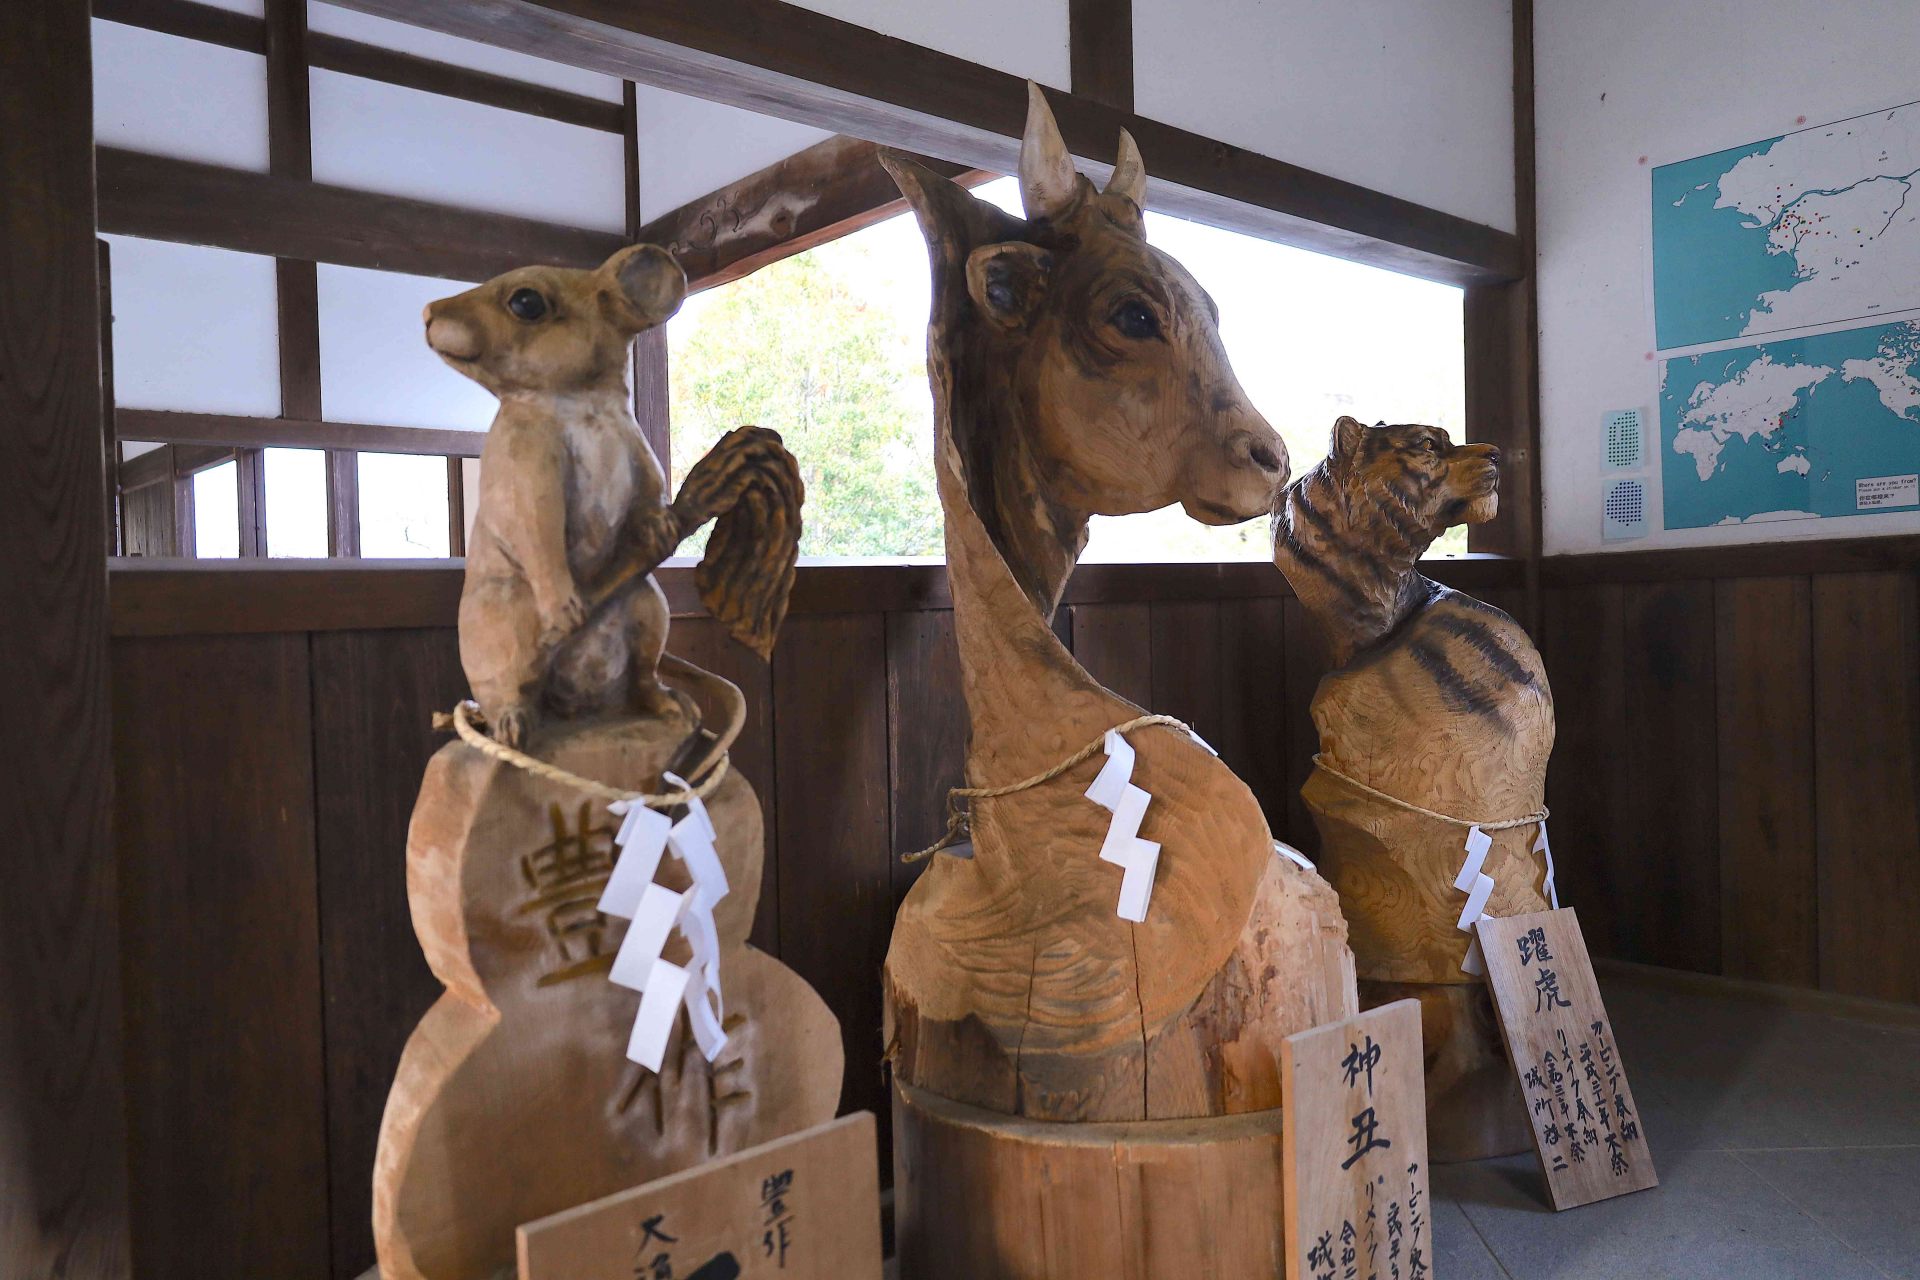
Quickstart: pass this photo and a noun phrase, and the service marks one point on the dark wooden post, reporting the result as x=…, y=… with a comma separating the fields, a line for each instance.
x=63, y=1193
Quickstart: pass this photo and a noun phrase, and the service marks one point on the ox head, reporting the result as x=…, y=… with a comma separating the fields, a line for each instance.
x=1110, y=350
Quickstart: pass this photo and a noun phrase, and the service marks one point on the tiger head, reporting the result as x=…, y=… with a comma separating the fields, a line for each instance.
x=1413, y=478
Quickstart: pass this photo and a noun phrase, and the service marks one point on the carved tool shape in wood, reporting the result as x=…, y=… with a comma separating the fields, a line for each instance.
x=1437, y=699
x=1076, y=370
x=560, y=613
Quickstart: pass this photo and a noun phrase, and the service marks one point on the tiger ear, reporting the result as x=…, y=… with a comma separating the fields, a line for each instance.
x=1347, y=435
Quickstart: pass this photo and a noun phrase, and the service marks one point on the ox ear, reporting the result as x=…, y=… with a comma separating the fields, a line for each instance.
x=1049, y=185
x=1347, y=435
x=1007, y=281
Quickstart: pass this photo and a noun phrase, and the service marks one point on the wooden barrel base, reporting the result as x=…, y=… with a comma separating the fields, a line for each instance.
x=1474, y=1107
x=979, y=1194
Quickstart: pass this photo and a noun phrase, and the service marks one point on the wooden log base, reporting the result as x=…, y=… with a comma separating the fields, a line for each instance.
x=980, y=1194
x=1474, y=1107
x=514, y=1098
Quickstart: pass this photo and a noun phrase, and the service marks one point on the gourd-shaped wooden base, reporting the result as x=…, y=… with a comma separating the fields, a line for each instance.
x=514, y=1098
x=983, y=1194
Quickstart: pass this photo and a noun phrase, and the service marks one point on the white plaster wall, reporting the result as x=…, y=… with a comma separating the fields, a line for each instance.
x=1629, y=84
x=194, y=329
x=166, y=95
x=689, y=146
x=375, y=365
x=1410, y=97
x=1022, y=37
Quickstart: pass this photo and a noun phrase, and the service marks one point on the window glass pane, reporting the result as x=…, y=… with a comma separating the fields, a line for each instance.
x=403, y=505
x=216, y=512
x=828, y=347
x=296, y=502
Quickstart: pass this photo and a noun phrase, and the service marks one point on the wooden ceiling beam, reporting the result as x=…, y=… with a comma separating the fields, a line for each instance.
x=783, y=60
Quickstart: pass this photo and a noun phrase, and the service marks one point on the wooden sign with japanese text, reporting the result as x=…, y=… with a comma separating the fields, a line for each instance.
x=1355, y=1148
x=804, y=1207
x=1586, y=1126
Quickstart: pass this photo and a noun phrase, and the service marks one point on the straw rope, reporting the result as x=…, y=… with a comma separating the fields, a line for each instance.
x=1320, y=763
x=460, y=720
x=957, y=817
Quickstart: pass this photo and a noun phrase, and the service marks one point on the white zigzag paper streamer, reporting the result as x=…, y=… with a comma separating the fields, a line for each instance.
x=1478, y=886
x=654, y=911
x=1541, y=845
x=1113, y=790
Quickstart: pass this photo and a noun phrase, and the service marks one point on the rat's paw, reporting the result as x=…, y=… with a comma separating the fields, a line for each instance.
x=512, y=725
x=562, y=619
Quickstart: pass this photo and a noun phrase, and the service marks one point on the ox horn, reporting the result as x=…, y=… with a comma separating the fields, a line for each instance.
x=1129, y=172
x=1048, y=183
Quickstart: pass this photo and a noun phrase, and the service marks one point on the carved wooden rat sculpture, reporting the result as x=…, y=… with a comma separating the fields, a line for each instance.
x=1435, y=699
x=514, y=1097
x=559, y=612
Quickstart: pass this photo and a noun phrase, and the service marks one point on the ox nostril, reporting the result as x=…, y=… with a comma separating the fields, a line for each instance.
x=1264, y=458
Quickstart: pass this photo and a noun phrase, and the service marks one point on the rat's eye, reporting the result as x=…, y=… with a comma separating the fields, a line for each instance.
x=1135, y=320
x=527, y=304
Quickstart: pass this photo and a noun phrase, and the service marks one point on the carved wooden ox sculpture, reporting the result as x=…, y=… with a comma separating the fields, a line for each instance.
x=1076, y=370
x=1436, y=700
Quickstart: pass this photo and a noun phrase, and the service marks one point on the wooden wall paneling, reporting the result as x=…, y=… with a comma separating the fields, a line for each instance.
x=63, y=1190
x=1305, y=663
x=374, y=693
x=1866, y=689
x=1668, y=911
x=1771, y=559
x=1114, y=642
x=927, y=733
x=147, y=520
x=110, y=473
x=705, y=642
x=1183, y=655
x=214, y=816
x=343, y=504
x=1583, y=640
x=1100, y=50
x=1252, y=674
x=836, y=854
x=1769, y=892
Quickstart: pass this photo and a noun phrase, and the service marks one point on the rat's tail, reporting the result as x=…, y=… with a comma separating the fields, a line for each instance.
x=752, y=485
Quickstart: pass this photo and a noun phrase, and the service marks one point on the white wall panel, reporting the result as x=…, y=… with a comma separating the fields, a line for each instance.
x=1025, y=37
x=1632, y=84
x=381, y=137
x=375, y=365
x=364, y=27
x=689, y=146
x=194, y=329
x=1410, y=97
x=170, y=96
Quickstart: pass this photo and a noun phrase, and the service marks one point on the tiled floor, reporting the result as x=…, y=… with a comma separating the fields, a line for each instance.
x=1788, y=1145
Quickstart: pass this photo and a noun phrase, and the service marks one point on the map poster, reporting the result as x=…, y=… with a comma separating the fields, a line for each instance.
x=1813, y=236
x=1826, y=425
x=1819, y=226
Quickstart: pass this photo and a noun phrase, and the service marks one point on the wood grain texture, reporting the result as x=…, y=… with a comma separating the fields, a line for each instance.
x=374, y=695
x=1866, y=630
x=1584, y=644
x=1114, y=642
x=983, y=1194
x=1100, y=50
x=1185, y=666
x=1667, y=900
x=1305, y=665
x=705, y=643
x=1252, y=672
x=788, y=61
x=1769, y=889
x=63, y=1187
x=830, y=737
x=927, y=733
x=293, y=432
x=193, y=203
x=220, y=929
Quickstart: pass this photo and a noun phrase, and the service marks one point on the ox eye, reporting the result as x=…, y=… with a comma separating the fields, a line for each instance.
x=527, y=304
x=1136, y=321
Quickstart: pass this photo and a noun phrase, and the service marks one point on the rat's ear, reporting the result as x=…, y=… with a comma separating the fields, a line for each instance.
x=645, y=286
x=1007, y=281
x=1347, y=435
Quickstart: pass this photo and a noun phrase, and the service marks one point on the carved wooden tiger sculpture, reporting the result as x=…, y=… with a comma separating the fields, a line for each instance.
x=1438, y=700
